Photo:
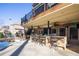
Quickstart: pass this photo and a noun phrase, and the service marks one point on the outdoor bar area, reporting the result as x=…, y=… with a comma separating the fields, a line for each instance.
x=58, y=28
x=49, y=39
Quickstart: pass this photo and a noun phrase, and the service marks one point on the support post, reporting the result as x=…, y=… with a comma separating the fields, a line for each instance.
x=68, y=34
x=48, y=27
x=47, y=37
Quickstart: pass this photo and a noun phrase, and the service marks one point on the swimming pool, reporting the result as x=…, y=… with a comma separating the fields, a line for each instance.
x=3, y=45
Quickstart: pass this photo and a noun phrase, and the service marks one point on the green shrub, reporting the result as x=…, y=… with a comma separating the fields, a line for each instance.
x=1, y=35
x=10, y=34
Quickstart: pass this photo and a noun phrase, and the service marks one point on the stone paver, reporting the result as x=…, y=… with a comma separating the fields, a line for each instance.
x=34, y=49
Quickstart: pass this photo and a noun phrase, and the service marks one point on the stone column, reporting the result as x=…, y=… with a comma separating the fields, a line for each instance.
x=68, y=33
x=47, y=41
x=57, y=31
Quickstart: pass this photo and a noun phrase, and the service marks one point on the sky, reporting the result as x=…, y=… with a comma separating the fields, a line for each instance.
x=11, y=13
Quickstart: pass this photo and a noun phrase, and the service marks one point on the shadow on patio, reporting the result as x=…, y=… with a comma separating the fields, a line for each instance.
x=18, y=51
x=74, y=46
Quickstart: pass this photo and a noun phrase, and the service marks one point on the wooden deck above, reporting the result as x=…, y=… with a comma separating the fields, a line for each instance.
x=65, y=13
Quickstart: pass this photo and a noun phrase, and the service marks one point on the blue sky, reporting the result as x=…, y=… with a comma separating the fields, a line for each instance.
x=13, y=11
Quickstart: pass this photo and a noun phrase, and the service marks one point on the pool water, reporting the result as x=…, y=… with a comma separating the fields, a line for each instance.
x=3, y=45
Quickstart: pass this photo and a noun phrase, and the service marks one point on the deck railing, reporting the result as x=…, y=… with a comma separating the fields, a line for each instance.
x=27, y=17
x=58, y=41
x=31, y=15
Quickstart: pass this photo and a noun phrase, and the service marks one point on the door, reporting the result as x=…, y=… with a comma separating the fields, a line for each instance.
x=74, y=35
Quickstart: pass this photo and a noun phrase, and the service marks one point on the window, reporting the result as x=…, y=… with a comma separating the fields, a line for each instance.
x=53, y=31
x=62, y=31
x=45, y=31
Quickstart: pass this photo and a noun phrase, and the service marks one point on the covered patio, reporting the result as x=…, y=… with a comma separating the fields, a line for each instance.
x=62, y=20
